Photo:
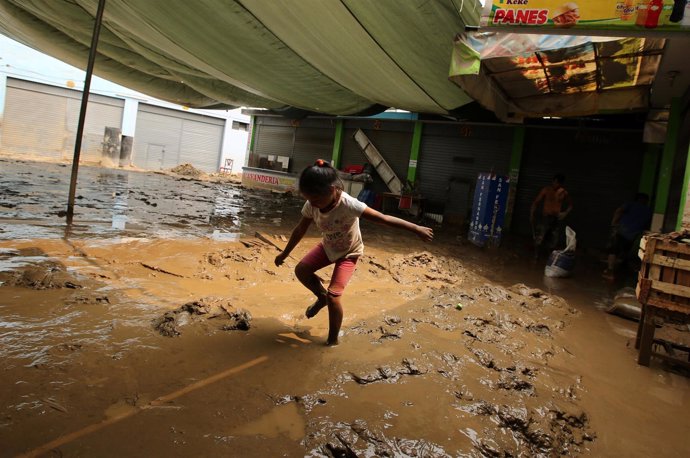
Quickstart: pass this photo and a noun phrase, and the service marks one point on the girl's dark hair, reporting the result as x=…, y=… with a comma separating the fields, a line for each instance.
x=317, y=179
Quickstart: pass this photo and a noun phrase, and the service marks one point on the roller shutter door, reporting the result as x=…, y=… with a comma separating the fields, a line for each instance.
x=303, y=141
x=272, y=140
x=313, y=140
x=41, y=121
x=166, y=138
x=602, y=170
x=452, y=156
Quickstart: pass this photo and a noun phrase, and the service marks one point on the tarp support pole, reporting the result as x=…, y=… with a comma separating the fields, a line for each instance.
x=414, y=152
x=514, y=172
x=666, y=167
x=336, y=158
x=82, y=112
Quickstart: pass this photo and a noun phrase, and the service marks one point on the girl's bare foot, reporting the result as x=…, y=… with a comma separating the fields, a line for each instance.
x=332, y=343
x=314, y=308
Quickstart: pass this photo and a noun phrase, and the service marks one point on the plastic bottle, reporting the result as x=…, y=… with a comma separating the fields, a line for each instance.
x=642, y=10
x=628, y=10
x=653, y=13
x=666, y=12
x=620, y=4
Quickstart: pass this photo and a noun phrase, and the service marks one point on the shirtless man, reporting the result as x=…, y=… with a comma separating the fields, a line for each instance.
x=556, y=206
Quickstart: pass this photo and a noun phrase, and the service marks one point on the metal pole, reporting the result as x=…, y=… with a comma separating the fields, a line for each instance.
x=82, y=112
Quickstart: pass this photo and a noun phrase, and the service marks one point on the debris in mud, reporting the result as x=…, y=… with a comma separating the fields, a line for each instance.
x=240, y=321
x=423, y=267
x=41, y=275
x=352, y=440
x=169, y=324
x=390, y=333
x=53, y=404
x=493, y=292
x=542, y=431
x=158, y=269
x=392, y=320
x=524, y=290
x=385, y=373
x=219, y=258
x=308, y=401
x=512, y=382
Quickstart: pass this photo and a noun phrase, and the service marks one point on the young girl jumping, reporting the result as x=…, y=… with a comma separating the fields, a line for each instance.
x=336, y=215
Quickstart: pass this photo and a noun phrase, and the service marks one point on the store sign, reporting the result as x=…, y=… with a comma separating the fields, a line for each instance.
x=628, y=15
x=266, y=179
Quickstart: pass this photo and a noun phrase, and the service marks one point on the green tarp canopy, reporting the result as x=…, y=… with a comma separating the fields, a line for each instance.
x=339, y=57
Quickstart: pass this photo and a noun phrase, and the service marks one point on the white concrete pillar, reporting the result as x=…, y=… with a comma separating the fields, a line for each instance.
x=129, y=117
x=3, y=92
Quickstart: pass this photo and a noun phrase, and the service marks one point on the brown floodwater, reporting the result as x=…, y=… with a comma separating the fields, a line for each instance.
x=159, y=325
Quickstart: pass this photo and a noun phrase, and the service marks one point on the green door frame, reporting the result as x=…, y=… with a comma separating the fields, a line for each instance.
x=414, y=152
x=666, y=166
x=336, y=158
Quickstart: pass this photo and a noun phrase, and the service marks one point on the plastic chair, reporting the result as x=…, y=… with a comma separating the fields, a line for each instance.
x=227, y=168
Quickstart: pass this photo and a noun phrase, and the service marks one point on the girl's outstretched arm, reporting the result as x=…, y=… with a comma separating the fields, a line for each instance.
x=297, y=234
x=424, y=233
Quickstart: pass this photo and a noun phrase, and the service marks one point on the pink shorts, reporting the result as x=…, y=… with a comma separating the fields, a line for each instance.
x=344, y=268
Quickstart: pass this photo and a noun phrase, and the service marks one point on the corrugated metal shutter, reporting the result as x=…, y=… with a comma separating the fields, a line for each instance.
x=303, y=140
x=166, y=138
x=602, y=170
x=313, y=140
x=41, y=120
x=452, y=156
x=156, y=141
x=201, y=144
x=392, y=139
x=272, y=140
x=101, y=112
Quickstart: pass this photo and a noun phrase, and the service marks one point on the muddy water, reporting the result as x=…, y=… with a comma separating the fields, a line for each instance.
x=447, y=350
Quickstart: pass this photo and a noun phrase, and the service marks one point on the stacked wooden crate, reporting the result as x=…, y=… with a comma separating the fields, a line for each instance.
x=663, y=289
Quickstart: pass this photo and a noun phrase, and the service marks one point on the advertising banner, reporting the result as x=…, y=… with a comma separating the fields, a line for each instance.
x=610, y=15
x=488, y=209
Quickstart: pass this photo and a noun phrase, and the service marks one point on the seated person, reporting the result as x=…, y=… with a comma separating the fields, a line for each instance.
x=629, y=221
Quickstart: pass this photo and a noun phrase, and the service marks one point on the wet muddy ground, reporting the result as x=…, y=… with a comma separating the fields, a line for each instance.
x=159, y=325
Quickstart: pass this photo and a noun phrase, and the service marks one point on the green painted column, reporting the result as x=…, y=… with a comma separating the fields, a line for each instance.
x=682, y=211
x=414, y=152
x=514, y=173
x=337, y=144
x=650, y=162
x=666, y=166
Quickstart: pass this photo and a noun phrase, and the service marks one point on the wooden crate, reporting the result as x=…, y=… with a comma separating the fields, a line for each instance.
x=663, y=289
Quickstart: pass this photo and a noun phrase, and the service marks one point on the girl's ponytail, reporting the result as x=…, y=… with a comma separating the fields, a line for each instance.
x=317, y=179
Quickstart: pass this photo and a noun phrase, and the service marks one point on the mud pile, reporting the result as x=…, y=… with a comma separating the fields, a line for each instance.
x=187, y=170
x=223, y=314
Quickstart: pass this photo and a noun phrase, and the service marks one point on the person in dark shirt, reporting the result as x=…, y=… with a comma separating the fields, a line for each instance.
x=629, y=221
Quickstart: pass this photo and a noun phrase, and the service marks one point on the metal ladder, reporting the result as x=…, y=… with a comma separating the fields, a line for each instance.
x=380, y=165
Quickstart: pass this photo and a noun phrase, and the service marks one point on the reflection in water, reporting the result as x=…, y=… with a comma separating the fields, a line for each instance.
x=121, y=194
x=282, y=420
x=139, y=203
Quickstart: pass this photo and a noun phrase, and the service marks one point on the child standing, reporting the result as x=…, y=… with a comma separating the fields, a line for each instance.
x=336, y=215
